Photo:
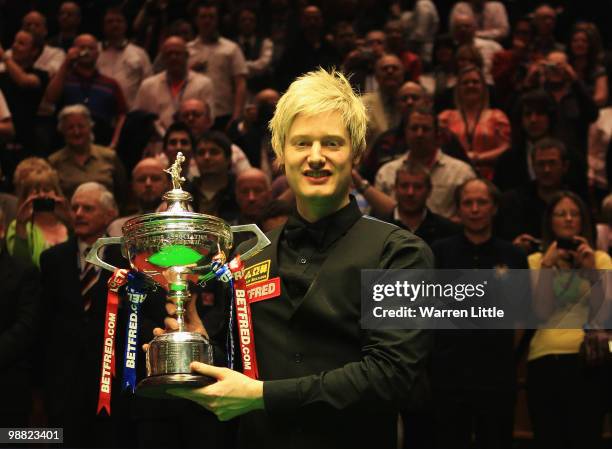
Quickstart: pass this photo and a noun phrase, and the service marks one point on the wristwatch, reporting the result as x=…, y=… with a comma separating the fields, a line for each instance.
x=365, y=185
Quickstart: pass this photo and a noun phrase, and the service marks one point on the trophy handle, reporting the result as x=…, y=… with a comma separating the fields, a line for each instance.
x=262, y=240
x=93, y=257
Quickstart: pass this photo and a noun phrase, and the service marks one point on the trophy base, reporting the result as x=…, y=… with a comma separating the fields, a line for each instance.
x=156, y=387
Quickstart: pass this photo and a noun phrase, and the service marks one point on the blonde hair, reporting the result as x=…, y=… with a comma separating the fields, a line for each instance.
x=27, y=166
x=314, y=93
x=44, y=179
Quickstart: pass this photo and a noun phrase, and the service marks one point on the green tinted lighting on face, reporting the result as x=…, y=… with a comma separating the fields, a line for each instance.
x=175, y=256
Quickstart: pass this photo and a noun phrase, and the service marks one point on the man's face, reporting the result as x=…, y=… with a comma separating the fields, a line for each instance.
x=389, y=73
x=312, y=19
x=23, y=47
x=88, y=50
x=34, y=22
x=535, y=124
x=393, y=31
x=464, y=29
x=252, y=195
x=68, y=16
x=211, y=159
x=149, y=183
x=554, y=68
x=174, y=55
x=549, y=167
x=421, y=134
x=544, y=20
x=411, y=192
x=247, y=22
x=178, y=141
x=115, y=26
x=375, y=40
x=345, y=38
x=89, y=215
x=194, y=113
x=318, y=158
x=409, y=95
x=77, y=130
x=206, y=21
x=476, y=208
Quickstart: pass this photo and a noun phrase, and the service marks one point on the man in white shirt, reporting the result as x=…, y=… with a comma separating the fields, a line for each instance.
x=491, y=17
x=51, y=58
x=127, y=63
x=163, y=93
x=223, y=61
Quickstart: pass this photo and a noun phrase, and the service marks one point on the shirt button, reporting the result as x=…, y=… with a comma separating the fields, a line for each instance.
x=303, y=260
x=297, y=357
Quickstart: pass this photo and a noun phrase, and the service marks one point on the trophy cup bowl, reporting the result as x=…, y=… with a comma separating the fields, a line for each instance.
x=174, y=249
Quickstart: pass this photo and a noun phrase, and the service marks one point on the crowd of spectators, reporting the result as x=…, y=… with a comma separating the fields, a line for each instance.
x=489, y=130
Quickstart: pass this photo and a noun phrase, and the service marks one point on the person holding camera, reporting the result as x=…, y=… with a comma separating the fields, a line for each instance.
x=565, y=382
x=43, y=217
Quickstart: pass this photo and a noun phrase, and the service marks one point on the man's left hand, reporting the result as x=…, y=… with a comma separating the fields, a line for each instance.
x=233, y=394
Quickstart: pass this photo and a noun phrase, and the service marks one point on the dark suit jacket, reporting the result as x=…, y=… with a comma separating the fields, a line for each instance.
x=73, y=338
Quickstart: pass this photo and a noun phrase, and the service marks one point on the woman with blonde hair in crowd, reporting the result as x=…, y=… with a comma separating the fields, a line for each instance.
x=484, y=133
x=43, y=216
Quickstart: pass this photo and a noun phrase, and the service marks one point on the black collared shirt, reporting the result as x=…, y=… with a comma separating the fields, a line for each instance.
x=304, y=246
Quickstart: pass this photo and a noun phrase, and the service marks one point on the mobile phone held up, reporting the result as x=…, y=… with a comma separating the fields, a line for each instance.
x=567, y=244
x=43, y=204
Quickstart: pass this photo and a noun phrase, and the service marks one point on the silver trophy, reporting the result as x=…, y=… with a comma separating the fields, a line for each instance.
x=175, y=248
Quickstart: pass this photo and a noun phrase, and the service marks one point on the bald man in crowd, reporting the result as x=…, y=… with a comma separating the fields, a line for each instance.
x=149, y=183
x=162, y=94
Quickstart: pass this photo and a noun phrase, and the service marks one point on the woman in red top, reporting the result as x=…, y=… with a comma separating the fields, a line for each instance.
x=484, y=133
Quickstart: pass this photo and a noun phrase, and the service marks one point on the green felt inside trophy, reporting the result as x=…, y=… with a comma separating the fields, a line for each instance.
x=175, y=256
x=157, y=387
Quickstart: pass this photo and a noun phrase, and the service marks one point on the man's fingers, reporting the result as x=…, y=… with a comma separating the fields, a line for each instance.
x=208, y=370
x=158, y=331
x=170, y=308
x=171, y=324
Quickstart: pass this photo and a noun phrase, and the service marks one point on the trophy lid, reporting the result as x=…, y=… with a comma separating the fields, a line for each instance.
x=177, y=199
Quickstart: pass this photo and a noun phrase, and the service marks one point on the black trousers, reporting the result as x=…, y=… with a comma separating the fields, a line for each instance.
x=567, y=402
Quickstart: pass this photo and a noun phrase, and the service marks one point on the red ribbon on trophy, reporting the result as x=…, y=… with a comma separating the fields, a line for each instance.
x=244, y=320
x=117, y=280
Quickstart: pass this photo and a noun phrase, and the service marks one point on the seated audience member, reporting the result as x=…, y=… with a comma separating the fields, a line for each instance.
x=392, y=143
x=444, y=68
x=20, y=301
x=491, y=17
x=196, y=114
x=383, y=110
x=256, y=48
x=214, y=191
x=544, y=22
x=361, y=62
x=395, y=43
x=535, y=118
x=576, y=108
x=423, y=24
x=178, y=137
x=484, y=133
x=604, y=230
x=68, y=21
x=121, y=60
x=162, y=94
x=222, y=60
x=23, y=86
x=412, y=188
x=473, y=397
x=565, y=378
x=463, y=29
x=79, y=82
x=75, y=299
x=585, y=55
x=447, y=173
x=510, y=65
x=50, y=58
x=149, y=183
x=43, y=217
x=81, y=160
x=252, y=133
x=522, y=209
x=253, y=194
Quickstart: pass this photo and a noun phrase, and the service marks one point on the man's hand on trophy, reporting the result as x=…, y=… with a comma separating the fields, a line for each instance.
x=233, y=394
x=193, y=323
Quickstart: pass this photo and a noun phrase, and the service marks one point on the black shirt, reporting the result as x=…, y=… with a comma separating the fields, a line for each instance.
x=433, y=228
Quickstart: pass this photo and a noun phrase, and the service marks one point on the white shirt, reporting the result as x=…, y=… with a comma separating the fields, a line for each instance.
x=221, y=61
x=447, y=173
x=129, y=66
x=50, y=60
x=154, y=95
x=487, y=49
x=422, y=24
x=492, y=23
